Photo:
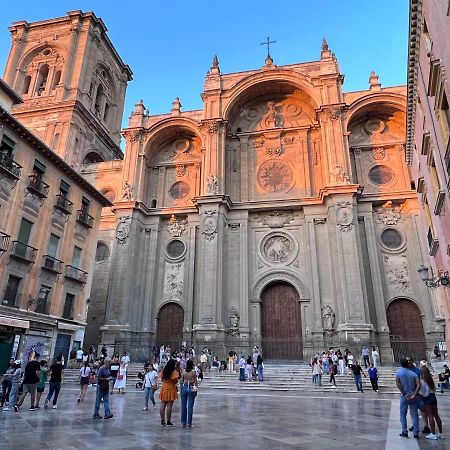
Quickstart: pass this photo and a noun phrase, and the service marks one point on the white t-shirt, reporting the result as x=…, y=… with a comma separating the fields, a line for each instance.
x=150, y=378
x=125, y=359
x=85, y=371
x=350, y=359
x=80, y=354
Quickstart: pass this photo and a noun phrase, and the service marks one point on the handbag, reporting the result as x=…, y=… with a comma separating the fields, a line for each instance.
x=155, y=387
x=194, y=388
x=120, y=377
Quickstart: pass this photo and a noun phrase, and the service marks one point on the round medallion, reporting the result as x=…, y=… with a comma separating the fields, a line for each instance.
x=277, y=248
x=179, y=190
x=374, y=126
x=391, y=238
x=381, y=174
x=175, y=248
x=275, y=176
x=102, y=253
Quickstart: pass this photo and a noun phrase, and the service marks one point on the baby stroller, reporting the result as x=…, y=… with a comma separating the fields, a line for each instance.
x=140, y=383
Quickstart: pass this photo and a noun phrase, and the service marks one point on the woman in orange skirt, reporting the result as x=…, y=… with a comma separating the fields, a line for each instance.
x=168, y=392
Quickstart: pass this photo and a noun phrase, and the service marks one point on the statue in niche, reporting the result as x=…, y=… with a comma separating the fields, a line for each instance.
x=234, y=321
x=328, y=317
x=127, y=191
x=213, y=185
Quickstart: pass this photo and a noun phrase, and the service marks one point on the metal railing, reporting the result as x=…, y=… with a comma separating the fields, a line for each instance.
x=52, y=264
x=84, y=218
x=10, y=165
x=4, y=242
x=415, y=348
x=63, y=204
x=37, y=185
x=23, y=251
x=74, y=273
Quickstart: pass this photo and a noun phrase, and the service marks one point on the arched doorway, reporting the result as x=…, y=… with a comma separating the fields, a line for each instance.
x=281, y=325
x=169, y=330
x=406, y=330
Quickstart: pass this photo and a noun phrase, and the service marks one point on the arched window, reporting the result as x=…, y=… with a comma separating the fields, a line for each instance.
x=55, y=142
x=56, y=79
x=26, y=84
x=105, y=114
x=42, y=79
x=91, y=158
x=98, y=99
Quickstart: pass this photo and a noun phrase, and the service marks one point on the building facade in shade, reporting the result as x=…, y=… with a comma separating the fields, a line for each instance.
x=280, y=214
x=428, y=133
x=72, y=86
x=49, y=217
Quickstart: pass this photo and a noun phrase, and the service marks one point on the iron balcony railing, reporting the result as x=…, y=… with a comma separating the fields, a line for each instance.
x=4, y=242
x=76, y=274
x=10, y=166
x=23, y=252
x=433, y=243
x=37, y=186
x=85, y=219
x=63, y=204
x=52, y=264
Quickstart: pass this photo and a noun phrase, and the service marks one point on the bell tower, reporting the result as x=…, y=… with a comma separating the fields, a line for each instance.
x=73, y=84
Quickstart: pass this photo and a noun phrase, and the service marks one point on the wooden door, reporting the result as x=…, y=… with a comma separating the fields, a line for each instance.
x=170, y=325
x=406, y=330
x=281, y=325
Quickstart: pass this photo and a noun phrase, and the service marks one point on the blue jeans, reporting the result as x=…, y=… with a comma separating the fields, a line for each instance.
x=55, y=387
x=260, y=372
x=241, y=374
x=358, y=382
x=413, y=411
x=187, y=404
x=99, y=396
x=149, y=392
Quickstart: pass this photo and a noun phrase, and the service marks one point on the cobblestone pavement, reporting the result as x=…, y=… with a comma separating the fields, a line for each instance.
x=222, y=420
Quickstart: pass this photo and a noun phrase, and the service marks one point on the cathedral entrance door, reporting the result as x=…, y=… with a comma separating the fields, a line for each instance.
x=170, y=325
x=406, y=330
x=281, y=325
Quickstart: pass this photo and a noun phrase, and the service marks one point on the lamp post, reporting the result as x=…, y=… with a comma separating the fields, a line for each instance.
x=433, y=282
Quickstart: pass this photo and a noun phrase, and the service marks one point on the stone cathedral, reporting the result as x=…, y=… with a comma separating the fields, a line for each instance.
x=281, y=214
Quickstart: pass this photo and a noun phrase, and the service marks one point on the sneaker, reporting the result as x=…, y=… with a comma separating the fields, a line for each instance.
x=96, y=416
x=32, y=409
x=6, y=408
x=426, y=430
x=431, y=437
x=154, y=406
x=145, y=409
x=416, y=436
x=54, y=406
x=109, y=416
x=79, y=400
x=440, y=436
x=189, y=425
x=37, y=407
x=170, y=424
x=16, y=408
x=402, y=434
x=163, y=424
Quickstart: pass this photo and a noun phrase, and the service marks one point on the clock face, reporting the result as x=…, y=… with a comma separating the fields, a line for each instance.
x=275, y=176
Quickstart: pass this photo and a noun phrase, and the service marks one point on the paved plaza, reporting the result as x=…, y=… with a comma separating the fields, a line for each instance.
x=222, y=420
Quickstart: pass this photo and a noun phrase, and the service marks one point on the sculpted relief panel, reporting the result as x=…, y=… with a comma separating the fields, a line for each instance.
x=278, y=248
x=173, y=282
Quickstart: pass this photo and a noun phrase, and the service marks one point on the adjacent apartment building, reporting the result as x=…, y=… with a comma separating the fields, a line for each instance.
x=428, y=133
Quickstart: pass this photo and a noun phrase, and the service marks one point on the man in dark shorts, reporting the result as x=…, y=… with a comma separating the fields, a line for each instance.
x=56, y=378
x=103, y=376
x=30, y=379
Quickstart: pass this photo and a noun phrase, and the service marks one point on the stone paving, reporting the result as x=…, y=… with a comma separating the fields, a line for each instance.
x=222, y=420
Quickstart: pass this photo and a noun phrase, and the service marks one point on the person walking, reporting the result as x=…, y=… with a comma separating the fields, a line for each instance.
x=341, y=362
x=150, y=385
x=408, y=384
x=249, y=369
x=40, y=387
x=56, y=378
x=114, y=369
x=203, y=361
x=260, y=368
x=15, y=384
x=231, y=361
x=365, y=356
x=79, y=357
x=333, y=368
x=242, y=368
x=357, y=375
x=373, y=377
x=375, y=357
x=189, y=386
x=121, y=381
x=125, y=359
x=103, y=374
x=30, y=379
x=7, y=382
x=85, y=373
x=168, y=393
x=317, y=372
x=428, y=392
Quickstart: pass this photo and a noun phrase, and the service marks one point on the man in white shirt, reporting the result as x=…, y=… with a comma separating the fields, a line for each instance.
x=242, y=368
x=203, y=360
x=79, y=357
x=125, y=359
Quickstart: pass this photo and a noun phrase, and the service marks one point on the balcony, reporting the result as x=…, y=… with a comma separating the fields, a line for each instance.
x=85, y=219
x=37, y=186
x=433, y=243
x=76, y=274
x=23, y=252
x=63, y=204
x=4, y=242
x=52, y=264
x=8, y=165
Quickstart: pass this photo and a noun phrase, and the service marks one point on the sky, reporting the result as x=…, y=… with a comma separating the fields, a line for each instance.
x=169, y=45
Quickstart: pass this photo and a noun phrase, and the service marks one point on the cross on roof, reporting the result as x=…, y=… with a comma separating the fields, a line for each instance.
x=268, y=42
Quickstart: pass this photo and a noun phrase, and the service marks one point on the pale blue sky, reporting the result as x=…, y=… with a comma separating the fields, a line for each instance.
x=169, y=45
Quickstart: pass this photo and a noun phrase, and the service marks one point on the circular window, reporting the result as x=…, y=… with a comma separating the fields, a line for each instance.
x=176, y=248
x=179, y=190
x=391, y=238
x=381, y=174
x=109, y=194
x=102, y=252
x=46, y=52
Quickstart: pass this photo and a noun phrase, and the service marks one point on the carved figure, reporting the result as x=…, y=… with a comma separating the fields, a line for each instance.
x=176, y=226
x=234, y=321
x=272, y=119
x=328, y=317
x=127, y=191
x=278, y=249
x=340, y=175
x=389, y=214
x=213, y=185
x=123, y=229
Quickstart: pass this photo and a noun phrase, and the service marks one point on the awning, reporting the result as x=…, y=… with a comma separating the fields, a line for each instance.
x=10, y=322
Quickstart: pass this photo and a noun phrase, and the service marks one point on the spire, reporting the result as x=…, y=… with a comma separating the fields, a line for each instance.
x=325, y=53
x=139, y=107
x=374, y=83
x=215, y=69
x=176, y=107
x=324, y=44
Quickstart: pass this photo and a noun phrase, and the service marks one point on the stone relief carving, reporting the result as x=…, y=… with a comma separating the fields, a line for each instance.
x=277, y=248
x=275, y=176
x=210, y=225
x=176, y=226
x=389, y=214
x=180, y=170
x=397, y=272
x=288, y=140
x=136, y=135
x=333, y=113
x=340, y=175
x=328, y=318
x=258, y=143
x=127, y=192
x=344, y=216
x=378, y=153
x=212, y=185
x=273, y=117
x=173, y=281
x=234, y=321
x=276, y=151
x=123, y=229
x=276, y=219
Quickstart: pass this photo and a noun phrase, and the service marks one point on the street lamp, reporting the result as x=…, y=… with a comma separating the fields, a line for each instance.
x=433, y=282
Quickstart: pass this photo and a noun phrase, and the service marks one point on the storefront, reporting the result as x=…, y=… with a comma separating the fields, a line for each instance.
x=12, y=332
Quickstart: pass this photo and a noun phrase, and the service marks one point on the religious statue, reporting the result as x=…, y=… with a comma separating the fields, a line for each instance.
x=329, y=317
x=340, y=175
x=176, y=226
x=213, y=185
x=234, y=321
x=127, y=191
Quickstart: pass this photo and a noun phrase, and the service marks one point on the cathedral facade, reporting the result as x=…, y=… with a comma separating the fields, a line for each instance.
x=281, y=215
